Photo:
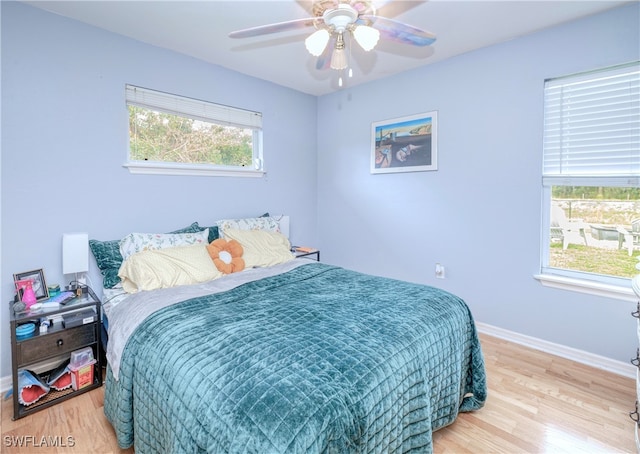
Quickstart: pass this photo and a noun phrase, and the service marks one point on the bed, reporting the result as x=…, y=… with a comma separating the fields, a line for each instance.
x=296, y=356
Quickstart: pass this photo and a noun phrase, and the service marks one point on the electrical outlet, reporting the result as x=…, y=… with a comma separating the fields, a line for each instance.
x=439, y=271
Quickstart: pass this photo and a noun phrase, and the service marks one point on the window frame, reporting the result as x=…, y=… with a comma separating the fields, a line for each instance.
x=198, y=110
x=557, y=175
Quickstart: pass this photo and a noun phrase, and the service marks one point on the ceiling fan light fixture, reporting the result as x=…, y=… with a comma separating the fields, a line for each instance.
x=317, y=41
x=331, y=20
x=339, y=56
x=341, y=17
x=367, y=37
x=339, y=59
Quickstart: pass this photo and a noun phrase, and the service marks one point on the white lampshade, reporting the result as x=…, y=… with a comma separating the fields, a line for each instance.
x=317, y=41
x=366, y=36
x=339, y=59
x=75, y=253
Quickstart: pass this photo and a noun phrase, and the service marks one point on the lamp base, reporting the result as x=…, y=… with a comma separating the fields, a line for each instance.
x=79, y=290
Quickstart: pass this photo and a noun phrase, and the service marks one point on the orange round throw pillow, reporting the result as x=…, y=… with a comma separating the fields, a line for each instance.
x=226, y=255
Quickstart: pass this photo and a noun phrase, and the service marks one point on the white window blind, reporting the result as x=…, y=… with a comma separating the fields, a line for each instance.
x=194, y=108
x=592, y=126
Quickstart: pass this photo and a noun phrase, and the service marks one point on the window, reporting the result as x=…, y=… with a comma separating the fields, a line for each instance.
x=170, y=134
x=591, y=176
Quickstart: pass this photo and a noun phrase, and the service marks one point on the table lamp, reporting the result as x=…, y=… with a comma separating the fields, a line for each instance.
x=75, y=257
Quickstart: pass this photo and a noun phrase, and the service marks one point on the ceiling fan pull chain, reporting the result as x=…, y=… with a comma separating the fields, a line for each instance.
x=350, y=67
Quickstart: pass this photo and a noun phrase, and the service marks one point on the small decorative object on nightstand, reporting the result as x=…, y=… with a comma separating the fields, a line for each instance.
x=40, y=355
x=304, y=251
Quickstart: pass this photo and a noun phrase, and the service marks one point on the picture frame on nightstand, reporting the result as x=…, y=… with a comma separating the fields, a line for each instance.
x=39, y=284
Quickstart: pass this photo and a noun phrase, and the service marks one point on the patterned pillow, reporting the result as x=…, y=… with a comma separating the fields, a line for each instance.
x=262, y=223
x=109, y=259
x=138, y=242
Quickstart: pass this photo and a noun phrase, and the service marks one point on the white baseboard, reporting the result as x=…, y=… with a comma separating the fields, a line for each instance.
x=5, y=384
x=579, y=356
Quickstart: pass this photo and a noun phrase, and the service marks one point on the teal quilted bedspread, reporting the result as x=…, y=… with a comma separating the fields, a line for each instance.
x=316, y=360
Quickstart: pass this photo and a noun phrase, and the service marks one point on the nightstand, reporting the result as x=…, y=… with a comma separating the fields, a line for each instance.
x=315, y=252
x=42, y=352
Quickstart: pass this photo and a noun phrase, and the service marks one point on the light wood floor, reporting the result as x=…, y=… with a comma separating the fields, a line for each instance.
x=537, y=403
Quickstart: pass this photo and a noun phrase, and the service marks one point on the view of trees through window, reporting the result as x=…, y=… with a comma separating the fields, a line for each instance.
x=600, y=228
x=163, y=137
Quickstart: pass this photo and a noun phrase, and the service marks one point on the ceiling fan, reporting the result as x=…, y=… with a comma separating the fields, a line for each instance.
x=333, y=19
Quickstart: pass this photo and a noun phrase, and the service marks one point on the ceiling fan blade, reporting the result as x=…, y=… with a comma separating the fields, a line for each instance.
x=400, y=32
x=381, y=3
x=324, y=60
x=393, y=8
x=273, y=28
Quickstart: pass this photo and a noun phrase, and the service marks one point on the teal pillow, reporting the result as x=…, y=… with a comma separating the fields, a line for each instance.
x=214, y=234
x=109, y=259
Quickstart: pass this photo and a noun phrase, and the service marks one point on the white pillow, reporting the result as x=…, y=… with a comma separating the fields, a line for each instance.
x=138, y=242
x=165, y=268
x=262, y=223
x=261, y=247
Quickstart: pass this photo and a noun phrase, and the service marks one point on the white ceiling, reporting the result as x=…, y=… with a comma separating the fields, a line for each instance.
x=200, y=29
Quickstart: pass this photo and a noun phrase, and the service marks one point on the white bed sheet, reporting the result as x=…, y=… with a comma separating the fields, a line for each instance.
x=126, y=312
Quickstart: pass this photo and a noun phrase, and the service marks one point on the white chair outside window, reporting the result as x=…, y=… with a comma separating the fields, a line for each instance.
x=565, y=229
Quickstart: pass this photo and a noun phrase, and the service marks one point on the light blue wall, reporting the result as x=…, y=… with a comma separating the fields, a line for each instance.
x=479, y=214
x=64, y=139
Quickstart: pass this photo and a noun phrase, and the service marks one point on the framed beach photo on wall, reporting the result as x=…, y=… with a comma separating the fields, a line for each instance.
x=406, y=144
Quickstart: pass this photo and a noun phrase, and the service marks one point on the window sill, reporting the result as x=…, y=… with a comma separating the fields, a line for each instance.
x=163, y=168
x=588, y=287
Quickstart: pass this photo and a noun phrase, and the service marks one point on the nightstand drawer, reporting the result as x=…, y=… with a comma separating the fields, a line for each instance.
x=55, y=343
